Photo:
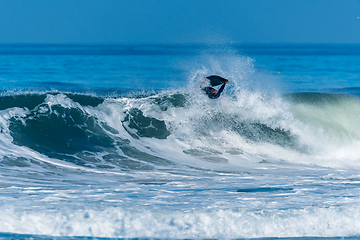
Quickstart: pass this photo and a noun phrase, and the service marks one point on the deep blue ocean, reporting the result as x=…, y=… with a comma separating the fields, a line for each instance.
x=119, y=141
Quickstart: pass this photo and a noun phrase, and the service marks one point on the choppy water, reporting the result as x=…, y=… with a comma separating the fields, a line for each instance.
x=120, y=142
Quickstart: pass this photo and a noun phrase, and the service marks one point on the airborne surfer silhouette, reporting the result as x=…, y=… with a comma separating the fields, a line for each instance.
x=215, y=81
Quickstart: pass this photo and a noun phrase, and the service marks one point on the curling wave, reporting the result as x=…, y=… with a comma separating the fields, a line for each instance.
x=147, y=131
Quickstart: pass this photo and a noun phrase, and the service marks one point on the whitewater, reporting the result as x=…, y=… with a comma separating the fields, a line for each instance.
x=121, y=142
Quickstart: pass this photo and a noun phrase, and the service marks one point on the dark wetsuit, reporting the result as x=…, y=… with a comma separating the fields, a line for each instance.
x=212, y=93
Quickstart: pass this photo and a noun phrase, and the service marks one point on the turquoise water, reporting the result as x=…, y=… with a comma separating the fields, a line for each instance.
x=120, y=142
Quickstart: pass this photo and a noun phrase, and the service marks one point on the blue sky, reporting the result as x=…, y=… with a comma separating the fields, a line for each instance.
x=179, y=21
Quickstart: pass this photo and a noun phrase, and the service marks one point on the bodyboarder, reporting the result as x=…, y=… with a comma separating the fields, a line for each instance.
x=214, y=81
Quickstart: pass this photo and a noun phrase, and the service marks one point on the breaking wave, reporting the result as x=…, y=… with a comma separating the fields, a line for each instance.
x=171, y=127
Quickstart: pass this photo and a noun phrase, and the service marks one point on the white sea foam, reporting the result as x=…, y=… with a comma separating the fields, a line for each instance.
x=117, y=222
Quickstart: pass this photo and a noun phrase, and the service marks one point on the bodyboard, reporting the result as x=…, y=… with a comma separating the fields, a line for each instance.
x=216, y=80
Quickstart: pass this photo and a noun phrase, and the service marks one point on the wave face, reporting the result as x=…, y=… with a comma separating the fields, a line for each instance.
x=76, y=128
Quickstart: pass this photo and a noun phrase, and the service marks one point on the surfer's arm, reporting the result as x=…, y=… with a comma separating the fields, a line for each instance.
x=221, y=89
